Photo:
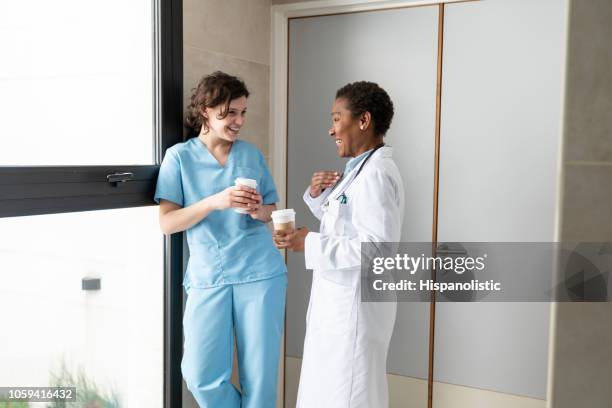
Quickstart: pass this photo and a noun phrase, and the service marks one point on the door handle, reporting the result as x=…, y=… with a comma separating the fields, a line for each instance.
x=451, y=252
x=444, y=250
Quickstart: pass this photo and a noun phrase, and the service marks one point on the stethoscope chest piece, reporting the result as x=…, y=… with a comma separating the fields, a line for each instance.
x=342, y=198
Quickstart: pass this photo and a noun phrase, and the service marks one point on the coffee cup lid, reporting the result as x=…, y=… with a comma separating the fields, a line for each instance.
x=285, y=215
x=286, y=211
x=246, y=182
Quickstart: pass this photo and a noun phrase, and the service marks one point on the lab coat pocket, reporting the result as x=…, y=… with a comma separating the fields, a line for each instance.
x=339, y=215
x=332, y=306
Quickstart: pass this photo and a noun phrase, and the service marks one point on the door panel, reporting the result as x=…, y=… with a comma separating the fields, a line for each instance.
x=503, y=68
x=398, y=50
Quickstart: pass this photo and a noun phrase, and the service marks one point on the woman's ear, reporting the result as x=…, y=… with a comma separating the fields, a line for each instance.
x=203, y=112
x=365, y=120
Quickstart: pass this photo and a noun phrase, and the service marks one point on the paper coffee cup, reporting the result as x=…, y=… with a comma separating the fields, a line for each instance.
x=247, y=182
x=284, y=220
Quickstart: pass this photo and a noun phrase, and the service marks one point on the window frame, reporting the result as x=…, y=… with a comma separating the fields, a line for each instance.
x=37, y=190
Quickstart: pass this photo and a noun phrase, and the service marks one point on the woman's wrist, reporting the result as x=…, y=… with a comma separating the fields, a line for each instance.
x=267, y=213
x=264, y=213
x=209, y=204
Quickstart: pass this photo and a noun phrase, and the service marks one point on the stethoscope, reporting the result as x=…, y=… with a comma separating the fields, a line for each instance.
x=342, y=198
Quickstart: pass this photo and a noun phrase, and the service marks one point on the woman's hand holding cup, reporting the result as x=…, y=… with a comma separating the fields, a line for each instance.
x=292, y=240
x=285, y=235
x=284, y=225
x=239, y=197
x=245, y=196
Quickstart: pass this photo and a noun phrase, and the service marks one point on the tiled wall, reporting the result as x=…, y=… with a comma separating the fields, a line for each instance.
x=588, y=123
x=583, y=341
x=231, y=36
x=289, y=1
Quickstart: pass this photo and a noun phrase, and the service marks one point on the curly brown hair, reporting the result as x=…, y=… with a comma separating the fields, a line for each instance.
x=363, y=96
x=212, y=90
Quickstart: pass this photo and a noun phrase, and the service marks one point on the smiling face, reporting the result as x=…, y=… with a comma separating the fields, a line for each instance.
x=227, y=128
x=348, y=130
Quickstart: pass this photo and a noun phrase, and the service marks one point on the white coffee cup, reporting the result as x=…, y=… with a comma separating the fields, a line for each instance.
x=247, y=182
x=284, y=220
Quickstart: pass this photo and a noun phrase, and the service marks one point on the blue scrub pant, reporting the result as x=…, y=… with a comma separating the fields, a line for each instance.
x=255, y=312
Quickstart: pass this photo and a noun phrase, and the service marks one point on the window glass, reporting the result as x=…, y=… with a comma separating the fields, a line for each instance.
x=81, y=304
x=76, y=82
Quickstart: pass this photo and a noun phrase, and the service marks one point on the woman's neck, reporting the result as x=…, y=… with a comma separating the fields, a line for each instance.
x=370, y=144
x=215, y=143
x=218, y=147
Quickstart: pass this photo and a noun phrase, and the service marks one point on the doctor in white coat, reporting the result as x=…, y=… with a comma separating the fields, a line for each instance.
x=346, y=344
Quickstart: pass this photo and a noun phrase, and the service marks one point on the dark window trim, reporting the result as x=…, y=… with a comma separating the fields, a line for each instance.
x=171, y=132
x=55, y=189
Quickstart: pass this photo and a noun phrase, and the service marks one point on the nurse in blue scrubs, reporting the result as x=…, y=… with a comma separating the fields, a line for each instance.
x=236, y=278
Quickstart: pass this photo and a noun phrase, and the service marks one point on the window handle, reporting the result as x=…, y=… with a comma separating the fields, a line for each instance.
x=119, y=178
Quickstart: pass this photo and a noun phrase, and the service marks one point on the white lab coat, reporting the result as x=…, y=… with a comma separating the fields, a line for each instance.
x=346, y=343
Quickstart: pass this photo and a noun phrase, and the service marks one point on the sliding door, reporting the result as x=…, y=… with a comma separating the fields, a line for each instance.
x=398, y=50
x=502, y=89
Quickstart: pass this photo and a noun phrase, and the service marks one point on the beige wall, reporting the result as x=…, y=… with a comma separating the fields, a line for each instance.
x=583, y=342
x=231, y=36
x=289, y=1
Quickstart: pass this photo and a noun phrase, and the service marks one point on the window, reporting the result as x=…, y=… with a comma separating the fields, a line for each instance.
x=90, y=98
x=77, y=82
x=85, y=295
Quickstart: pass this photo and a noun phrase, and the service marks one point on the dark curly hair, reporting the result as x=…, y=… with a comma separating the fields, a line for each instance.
x=363, y=96
x=212, y=90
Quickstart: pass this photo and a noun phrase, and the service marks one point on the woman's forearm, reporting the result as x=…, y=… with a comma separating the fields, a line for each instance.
x=183, y=218
x=265, y=212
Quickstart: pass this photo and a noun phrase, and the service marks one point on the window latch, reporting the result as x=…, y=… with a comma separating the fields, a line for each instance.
x=119, y=178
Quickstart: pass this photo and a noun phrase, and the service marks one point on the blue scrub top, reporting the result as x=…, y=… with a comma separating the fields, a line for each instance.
x=225, y=247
